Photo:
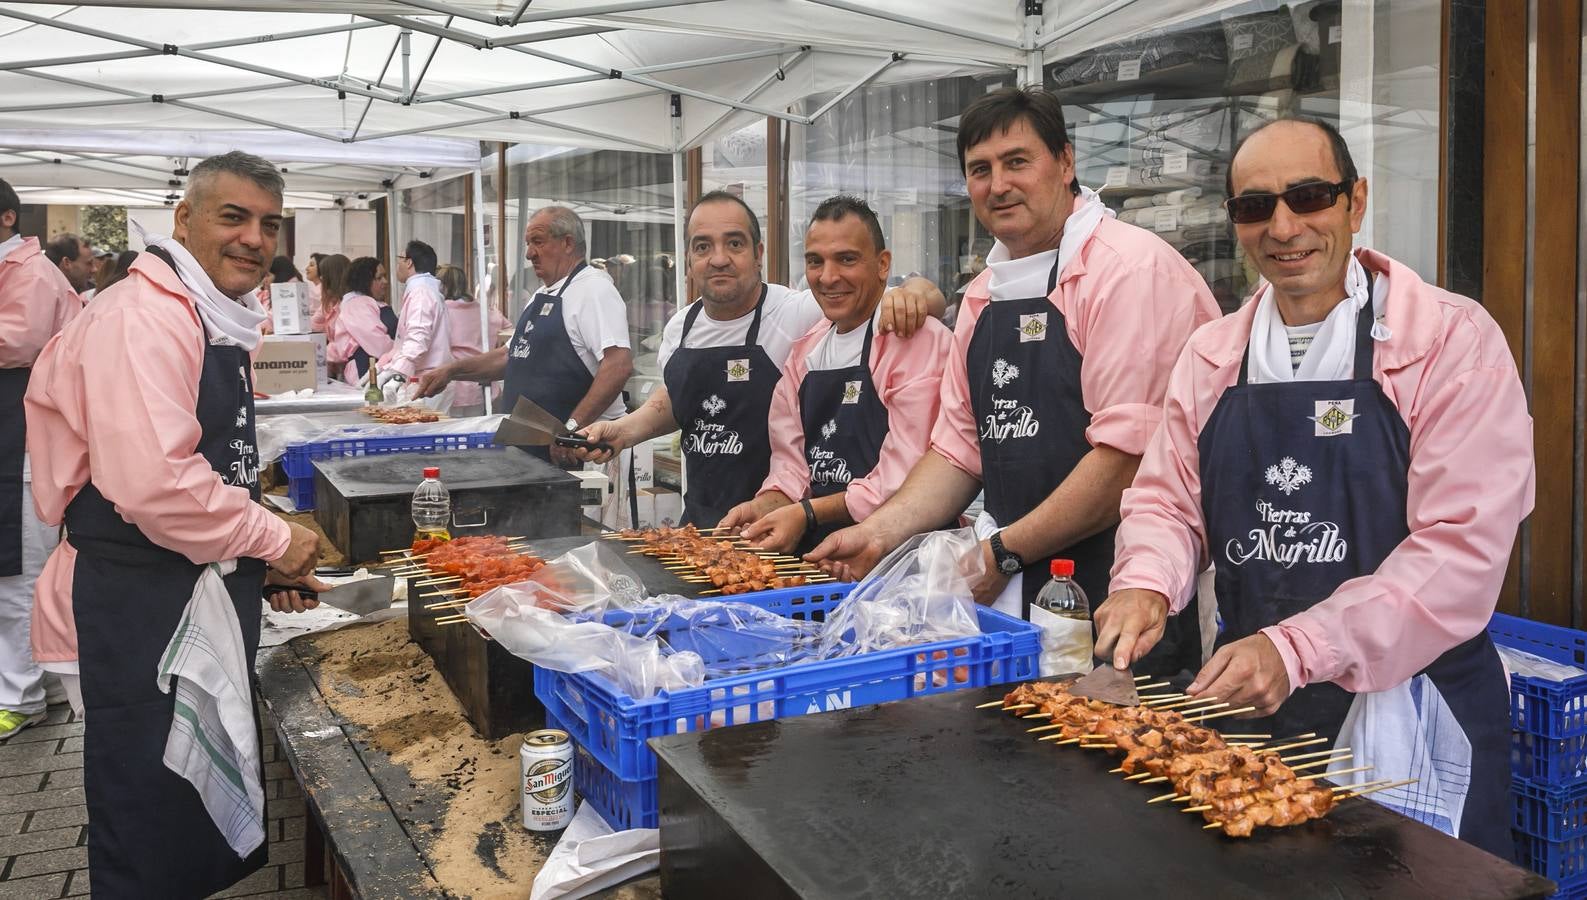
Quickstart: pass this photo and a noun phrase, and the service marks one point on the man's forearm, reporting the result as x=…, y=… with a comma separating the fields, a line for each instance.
x=1085, y=503
x=935, y=491
x=616, y=365
x=832, y=509
x=650, y=421
x=490, y=366
x=936, y=303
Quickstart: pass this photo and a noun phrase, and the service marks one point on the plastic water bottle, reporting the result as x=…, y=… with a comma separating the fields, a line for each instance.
x=1064, y=616
x=432, y=507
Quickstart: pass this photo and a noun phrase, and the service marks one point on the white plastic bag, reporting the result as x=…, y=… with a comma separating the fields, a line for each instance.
x=1520, y=662
x=1408, y=731
x=919, y=593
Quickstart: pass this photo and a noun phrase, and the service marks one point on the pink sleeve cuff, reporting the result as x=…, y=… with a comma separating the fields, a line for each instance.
x=1143, y=575
x=274, y=536
x=403, y=365
x=1279, y=635
x=1126, y=427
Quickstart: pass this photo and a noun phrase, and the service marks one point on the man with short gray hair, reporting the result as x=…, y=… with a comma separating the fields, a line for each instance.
x=570, y=352
x=142, y=414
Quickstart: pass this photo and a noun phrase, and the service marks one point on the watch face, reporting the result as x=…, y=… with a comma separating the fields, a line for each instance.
x=1008, y=565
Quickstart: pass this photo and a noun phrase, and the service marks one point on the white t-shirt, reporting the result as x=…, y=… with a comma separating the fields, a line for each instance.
x=840, y=351
x=784, y=319
x=1300, y=340
x=596, y=320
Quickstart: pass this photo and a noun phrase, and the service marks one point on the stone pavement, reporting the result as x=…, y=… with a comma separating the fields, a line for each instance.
x=43, y=833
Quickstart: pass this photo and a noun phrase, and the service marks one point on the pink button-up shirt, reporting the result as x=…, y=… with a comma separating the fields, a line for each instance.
x=112, y=400
x=1447, y=369
x=36, y=302
x=463, y=316
x=907, y=373
x=354, y=324
x=423, y=333
x=1129, y=303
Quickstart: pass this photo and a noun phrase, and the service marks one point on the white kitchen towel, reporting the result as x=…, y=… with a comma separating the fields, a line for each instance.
x=213, y=742
x=1332, y=354
x=228, y=320
x=1017, y=279
x=1011, y=600
x=10, y=244
x=592, y=857
x=1408, y=731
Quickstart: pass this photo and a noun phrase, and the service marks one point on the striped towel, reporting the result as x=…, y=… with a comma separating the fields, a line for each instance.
x=213, y=741
x=1408, y=731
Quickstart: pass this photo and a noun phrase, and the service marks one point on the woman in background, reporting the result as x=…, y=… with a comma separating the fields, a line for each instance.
x=380, y=289
x=354, y=333
x=462, y=312
x=311, y=276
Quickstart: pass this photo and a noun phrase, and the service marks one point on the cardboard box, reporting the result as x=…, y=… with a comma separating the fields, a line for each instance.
x=668, y=506
x=317, y=339
x=283, y=365
x=644, y=464
x=289, y=308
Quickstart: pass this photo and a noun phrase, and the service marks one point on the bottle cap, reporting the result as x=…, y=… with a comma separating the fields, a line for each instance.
x=1063, y=567
x=435, y=472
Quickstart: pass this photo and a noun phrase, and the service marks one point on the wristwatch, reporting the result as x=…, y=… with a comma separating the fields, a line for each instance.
x=1008, y=562
x=571, y=424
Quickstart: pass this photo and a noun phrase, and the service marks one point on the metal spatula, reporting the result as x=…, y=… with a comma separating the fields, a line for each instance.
x=1110, y=685
x=359, y=597
x=531, y=426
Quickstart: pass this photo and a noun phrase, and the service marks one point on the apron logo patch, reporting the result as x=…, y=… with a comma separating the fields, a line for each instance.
x=851, y=392
x=738, y=370
x=1003, y=373
x=1287, y=537
x=713, y=405
x=829, y=429
x=1288, y=476
x=547, y=309
x=1033, y=328
x=520, y=347
x=1333, y=417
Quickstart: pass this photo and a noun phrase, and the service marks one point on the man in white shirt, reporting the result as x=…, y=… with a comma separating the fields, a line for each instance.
x=424, y=342
x=570, y=353
x=722, y=356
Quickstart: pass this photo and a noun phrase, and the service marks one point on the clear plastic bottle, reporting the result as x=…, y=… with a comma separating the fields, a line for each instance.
x=432, y=507
x=1064, y=616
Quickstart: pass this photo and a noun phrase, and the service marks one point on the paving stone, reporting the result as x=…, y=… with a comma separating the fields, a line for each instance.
x=11, y=753
x=290, y=790
x=64, y=778
x=72, y=744
x=79, y=885
x=46, y=733
x=277, y=771
x=49, y=763
x=12, y=824
x=277, y=809
x=286, y=852
x=20, y=784
x=37, y=841
x=292, y=894
x=41, y=800
x=60, y=817
x=292, y=829
x=33, y=888
x=292, y=875
x=59, y=714
x=50, y=861
x=266, y=879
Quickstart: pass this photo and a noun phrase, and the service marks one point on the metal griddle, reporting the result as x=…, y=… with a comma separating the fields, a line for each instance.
x=933, y=798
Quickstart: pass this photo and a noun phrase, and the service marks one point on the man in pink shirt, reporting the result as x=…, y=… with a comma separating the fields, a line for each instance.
x=141, y=422
x=1353, y=453
x=1062, y=351
x=424, y=339
x=36, y=302
x=853, y=410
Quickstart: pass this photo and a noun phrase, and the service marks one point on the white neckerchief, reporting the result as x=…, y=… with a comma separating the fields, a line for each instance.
x=1332, y=354
x=1016, y=279
x=229, y=322
x=10, y=245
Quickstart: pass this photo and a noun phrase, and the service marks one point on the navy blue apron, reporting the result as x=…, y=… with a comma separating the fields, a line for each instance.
x=13, y=443
x=1304, y=487
x=721, y=399
x=542, y=365
x=844, y=425
x=148, y=832
x=388, y=318
x=1025, y=391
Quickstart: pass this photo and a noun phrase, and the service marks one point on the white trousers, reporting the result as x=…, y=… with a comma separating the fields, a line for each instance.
x=21, y=681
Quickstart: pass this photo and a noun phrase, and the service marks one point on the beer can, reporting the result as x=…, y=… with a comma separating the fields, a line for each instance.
x=546, y=763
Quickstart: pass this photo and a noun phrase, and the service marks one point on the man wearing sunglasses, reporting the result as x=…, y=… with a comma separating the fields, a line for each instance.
x=1352, y=452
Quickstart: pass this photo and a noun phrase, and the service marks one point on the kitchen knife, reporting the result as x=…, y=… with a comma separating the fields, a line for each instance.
x=1110, y=685
x=360, y=597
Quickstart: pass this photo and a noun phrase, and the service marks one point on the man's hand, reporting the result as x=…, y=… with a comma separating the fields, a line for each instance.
x=851, y=553
x=302, y=553
x=1129, y=623
x=1248, y=672
x=905, y=308
x=292, y=601
x=751, y=510
x=990, y=587
x=607, y=431
x=565, y=457
x=778, y=530
x=433, y=381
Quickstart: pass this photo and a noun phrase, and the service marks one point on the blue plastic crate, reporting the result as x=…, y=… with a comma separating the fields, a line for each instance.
x=1552, y=814
x=1548, y=744
x=623, y=804
x=614, y=727
x=1564, y=861
x=298, y=462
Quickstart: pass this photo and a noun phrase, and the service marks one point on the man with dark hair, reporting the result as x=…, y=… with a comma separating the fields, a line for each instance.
x=424, y=341
x=722, y=357
x=142, y=414
x=853, y=411
x=72, y=255
x=1062, y=352
x=36, y=302
x=1352, y=452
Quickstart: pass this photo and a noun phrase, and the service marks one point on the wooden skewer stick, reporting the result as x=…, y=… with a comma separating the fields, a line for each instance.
x=435, y=581
x=1059, y=738
x=1160, y=798
x=1187, y=713
x=1143, y=678
x=1293, y=744
x=1196, y=809
x=1314, y=755
x=1099, y=746
x=1227, y=712
x=1340, y=772
x=1160, y=698
x=1178, y=703
x=1326, y=761
x=451, y=620
x=1138, y=776
x=709, y=593
x=447, y=604
x=1381, y=787
x=1155, y=780
x=1037, y=715
x=989, y=704
x=1254, y=737
x=1118, y=770
x=447, y=591
x=1155, y=684
x=1019, y=706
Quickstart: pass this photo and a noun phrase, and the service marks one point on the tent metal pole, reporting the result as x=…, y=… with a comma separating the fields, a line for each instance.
x=386, y=67
x=680, y=275
x=911, y=21
x=137, y=98
x=518, y=13
x=263, y=123
x=549, y=15
x=425, y=70
x=393, y=296
x=406, y=39
x=1029, y=33
x=776, y=74
x=508, y=116
x=508, y=88
x=486, y=339
x=711, y=61
x=87, y=164
x=864, y=80
x=282, y=36
x=554, y=35
x=921, y=57
x=75, y=60
x=211, y=45
x=483, y=43
x=1050, y=39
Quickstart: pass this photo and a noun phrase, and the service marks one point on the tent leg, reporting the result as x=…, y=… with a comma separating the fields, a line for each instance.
x=481, y=298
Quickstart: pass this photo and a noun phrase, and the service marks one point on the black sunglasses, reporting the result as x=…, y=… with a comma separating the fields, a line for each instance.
x=1315, y=196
